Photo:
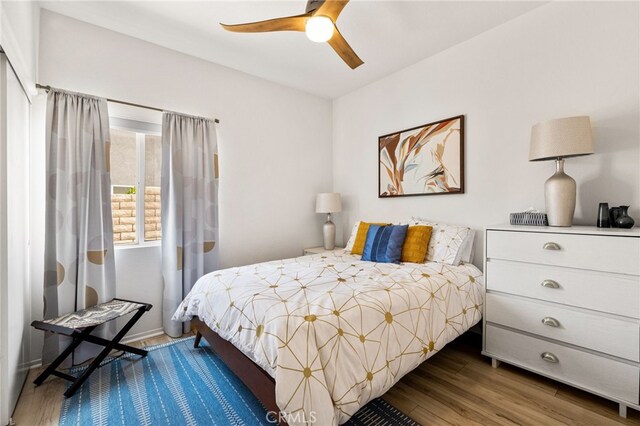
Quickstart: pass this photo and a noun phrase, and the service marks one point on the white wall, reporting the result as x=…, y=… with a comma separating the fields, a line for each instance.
x=274, y=143
x=19, y=24
x=139, y=277
x=562, y=59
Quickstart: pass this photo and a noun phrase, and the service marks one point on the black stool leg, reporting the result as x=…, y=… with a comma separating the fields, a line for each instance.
x=118, y=346
x=196, y=342
x=77, y=339
x=103, y=354
x=94, y=364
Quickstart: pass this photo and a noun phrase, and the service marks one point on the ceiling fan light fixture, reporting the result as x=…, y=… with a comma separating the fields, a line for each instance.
x=319, y=28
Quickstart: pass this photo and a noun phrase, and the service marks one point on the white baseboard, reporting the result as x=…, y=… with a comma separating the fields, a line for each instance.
x=143, y=335
x=36, y=363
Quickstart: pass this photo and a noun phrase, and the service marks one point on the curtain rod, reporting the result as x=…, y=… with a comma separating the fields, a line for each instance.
x=47, y=88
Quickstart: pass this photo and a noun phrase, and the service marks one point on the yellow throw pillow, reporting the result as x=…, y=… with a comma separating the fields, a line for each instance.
x=416, y=243
x=361, y=236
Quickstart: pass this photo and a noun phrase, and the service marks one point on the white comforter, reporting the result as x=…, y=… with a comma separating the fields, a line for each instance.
x=335, y=331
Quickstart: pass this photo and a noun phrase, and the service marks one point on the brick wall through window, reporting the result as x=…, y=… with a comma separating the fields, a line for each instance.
x=123, y=208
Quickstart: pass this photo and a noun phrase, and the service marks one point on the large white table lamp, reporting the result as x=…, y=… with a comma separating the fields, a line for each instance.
x=329, y=202
x=556, y=140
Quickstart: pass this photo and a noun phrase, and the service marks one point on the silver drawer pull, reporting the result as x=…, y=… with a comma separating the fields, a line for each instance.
x=549, y=357
x=550, y=284
x=551, y=322
x=551, y=246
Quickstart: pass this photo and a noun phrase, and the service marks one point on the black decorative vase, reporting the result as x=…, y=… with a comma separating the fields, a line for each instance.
x=614, y=213
x=624, y=220
x=603, y=216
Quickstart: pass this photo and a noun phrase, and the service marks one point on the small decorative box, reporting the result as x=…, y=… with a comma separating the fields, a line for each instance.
x=529, y=218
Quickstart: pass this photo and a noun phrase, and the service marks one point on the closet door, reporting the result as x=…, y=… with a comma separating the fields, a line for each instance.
x=15, y=302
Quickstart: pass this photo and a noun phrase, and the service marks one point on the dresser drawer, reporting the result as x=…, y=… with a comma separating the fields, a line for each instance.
x=600, y=291
x=608, y=377
x=592, y=252
x=600, y=333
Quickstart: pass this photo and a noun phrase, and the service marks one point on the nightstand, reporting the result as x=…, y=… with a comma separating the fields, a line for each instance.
x=318, y=250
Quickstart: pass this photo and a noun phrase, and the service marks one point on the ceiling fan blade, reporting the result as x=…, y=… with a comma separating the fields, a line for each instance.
x=331, y=8
x=343, y=49
x=290, y=23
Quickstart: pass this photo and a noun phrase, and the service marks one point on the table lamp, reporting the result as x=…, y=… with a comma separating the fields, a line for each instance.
x=328, y=202
x=556, y=140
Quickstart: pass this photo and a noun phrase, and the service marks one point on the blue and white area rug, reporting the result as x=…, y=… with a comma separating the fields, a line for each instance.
x=176, y=384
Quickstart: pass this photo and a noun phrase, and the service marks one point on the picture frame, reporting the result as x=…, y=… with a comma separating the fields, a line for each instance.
x=422, y=160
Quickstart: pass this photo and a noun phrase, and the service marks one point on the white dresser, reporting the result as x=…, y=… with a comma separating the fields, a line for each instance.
x=565, y=303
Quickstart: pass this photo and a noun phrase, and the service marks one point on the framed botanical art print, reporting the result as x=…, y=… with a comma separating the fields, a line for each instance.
x=423, y=160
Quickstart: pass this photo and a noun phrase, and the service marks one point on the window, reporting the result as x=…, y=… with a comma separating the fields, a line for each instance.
x=136, y=160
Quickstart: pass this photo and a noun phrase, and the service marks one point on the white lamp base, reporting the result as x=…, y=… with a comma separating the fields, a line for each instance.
x=329, y=234
x=560, y=197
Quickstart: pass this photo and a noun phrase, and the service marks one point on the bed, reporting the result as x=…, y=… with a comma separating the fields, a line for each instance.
x=317, y=337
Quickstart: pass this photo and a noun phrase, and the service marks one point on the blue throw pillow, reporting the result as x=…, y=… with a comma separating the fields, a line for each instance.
x=384, y=243
x=396, y=242
x=373, y=233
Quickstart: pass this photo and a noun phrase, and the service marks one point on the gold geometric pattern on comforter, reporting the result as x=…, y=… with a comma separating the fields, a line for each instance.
x=335, y=331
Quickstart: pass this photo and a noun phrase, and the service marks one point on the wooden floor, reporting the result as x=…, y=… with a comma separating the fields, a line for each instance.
x=455, y=387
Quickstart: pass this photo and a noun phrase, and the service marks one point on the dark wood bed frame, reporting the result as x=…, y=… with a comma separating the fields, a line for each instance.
x=255, y=378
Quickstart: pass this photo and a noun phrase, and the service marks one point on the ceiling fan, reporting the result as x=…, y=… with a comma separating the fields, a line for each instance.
x=318, y=22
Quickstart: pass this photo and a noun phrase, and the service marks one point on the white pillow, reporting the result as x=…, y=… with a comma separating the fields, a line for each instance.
x=352, y=238
x=449, y=244
x=466, y=251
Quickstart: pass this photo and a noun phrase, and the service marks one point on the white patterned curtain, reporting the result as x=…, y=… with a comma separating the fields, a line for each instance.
x=189, y=195
x=79, y=257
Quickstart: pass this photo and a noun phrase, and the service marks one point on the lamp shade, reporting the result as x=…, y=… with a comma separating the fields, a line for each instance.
x=328, y=202
x=561, y=138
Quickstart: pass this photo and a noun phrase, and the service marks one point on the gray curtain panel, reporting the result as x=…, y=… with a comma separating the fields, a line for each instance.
x=79, y=256
x=189, y=193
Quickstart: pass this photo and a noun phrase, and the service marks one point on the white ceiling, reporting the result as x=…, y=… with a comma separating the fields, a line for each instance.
x=387, y=35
